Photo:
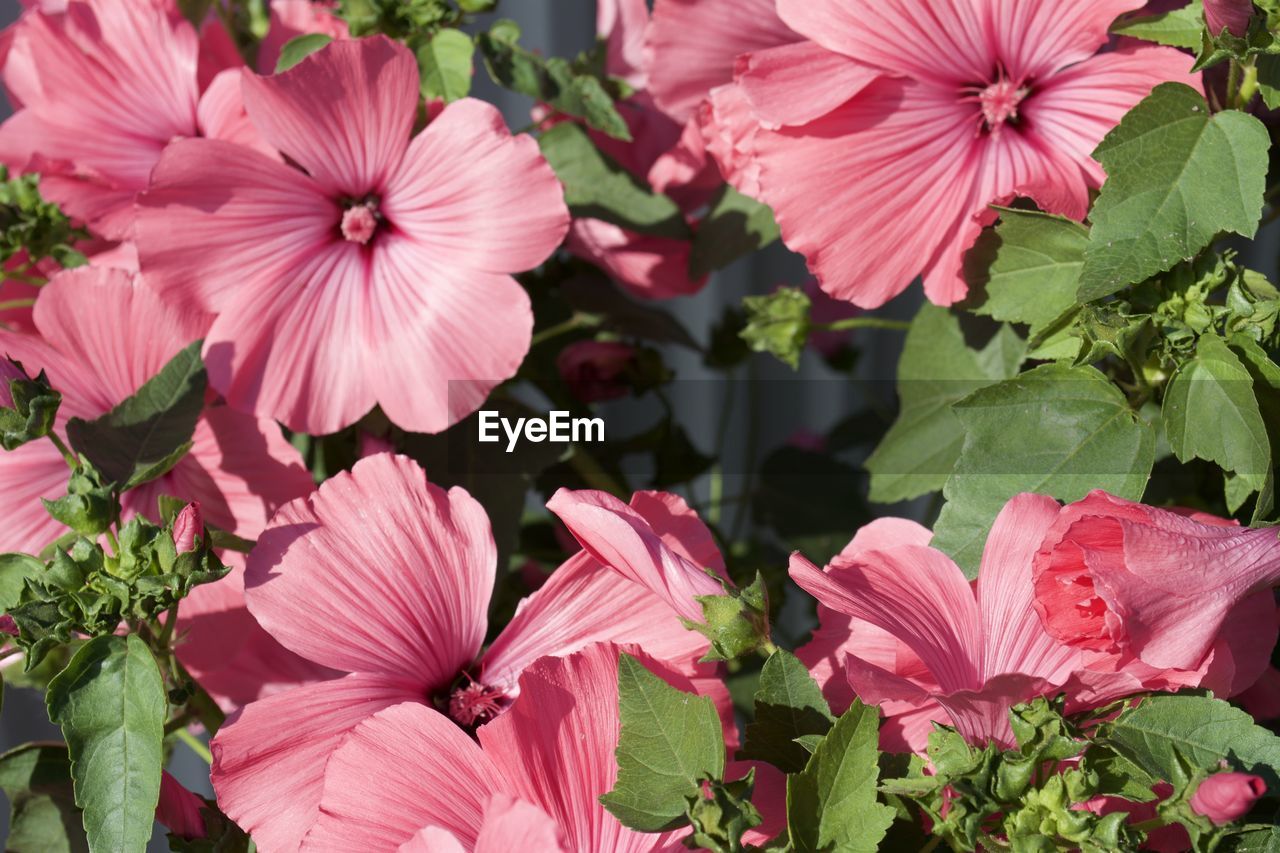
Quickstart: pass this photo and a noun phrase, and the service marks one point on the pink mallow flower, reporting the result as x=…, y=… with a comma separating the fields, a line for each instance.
x=1230, y=15
x=881, y=143
x=909, y=633
x=596, y=370
x=386, y=578
x=103, y=86
x=1227, y=797
x=1119, y=576
x=553, y=750
x=103, y=334
x=179, y=810
x=372, y=268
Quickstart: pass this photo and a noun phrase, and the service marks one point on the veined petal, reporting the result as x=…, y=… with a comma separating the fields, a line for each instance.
x=649, y=267
x=621, y=24
x=506, y=217
x=982, y=715
x=1038, y=37
x=509, y=824
x=379, y=571
x=33, y=471
x=779, y=82
x=344, y=113
x=269, y=759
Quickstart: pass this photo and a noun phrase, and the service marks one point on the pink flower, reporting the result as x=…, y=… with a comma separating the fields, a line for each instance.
x=596, y=370
x=104, y=85
x=1226, y=797
x=179, y=809
x=554, y=749
x=293, y=18
x=1119, y=576
x=379, y=272
x=1230, y=15
x=103, y=334
x=881, y=143
x=507, y=824
x=188, y=524
x=695, y=43
x=649, y=266
x=386, y=578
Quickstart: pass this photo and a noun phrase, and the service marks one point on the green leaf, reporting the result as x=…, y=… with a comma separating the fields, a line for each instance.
x=1177, y=177
x=832, y=804
x=43, y=817
x=146, y=435
x=299, y=48
x=788, y=706
x=778, y=323
x=1211, y=412
x=937, y=370
x=1251, y=839
x=1200, y=730
x=1269, y=79
x=596, y=187
x=1027, y=269
x=110, y=703
x=735, y=226
x=444, y=64
x=595, y=294
x=1055, y=430
x=14, y=571
x=552, y=81
x=33, y=412
x=671, y=741
x=1179, y=28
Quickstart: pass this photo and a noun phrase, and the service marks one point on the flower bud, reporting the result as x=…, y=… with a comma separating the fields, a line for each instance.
x=187, y=526
x=9, y=371
x=1225, y=797
x=596, y=370
x=1231, y=15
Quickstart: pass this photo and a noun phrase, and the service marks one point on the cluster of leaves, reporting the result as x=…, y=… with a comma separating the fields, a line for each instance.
x=32, y=229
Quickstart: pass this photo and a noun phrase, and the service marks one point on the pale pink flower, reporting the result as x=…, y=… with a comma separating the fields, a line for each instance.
x=912, y=635
x=104, y=85
x=507, y=824
x=103, y=334
x=386, y=578
x=596, y=370
x=553, y=749
x=1114, y=575
x=881, y=143
x=376, y=271
x=1230, y=15
x=1226, y=797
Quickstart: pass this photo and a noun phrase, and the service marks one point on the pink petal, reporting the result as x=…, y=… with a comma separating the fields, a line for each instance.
x=622, y=539
x=1115, y=572
x=379, y=571
x=30, y=473
x=222, y=115
x=982, y=716
x=1230, y=15
x=584, y=603
x=433, y=839
x=269, y=759
x=402, y=769
x=225, y=649
x=916, y=594
x=506, y=217
x=217, y=216
x=556, y=745
x=1242, y=651
x=779, y=82
x=344, y=113
x=179, y=810
x=1014, y=640
x=694, y=44
x=1041, y=37
x=511, y=824
x=648, y=267
x=448, y=333
x=621, y=24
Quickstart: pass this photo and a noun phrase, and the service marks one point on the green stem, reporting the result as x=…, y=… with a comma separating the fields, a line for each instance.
x=195, y=745
x=1249, y=87
x=63, y=449
x=716, y=488
x=1233, y=86
x=590, y=470
x=768, y=649
x=10, y=304
x=171, y=619
x=932, y=845
x=577, y=321
x=862, y=323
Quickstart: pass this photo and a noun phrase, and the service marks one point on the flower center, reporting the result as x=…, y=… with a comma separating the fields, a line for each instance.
x=475, y=703
x=998, y=102
x=360, y=221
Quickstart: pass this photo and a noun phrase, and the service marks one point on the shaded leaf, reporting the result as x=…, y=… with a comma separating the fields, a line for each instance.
x=735, y=226
x=1178, y=28
x=43, y=818
x=299, y=48
x=789, y=712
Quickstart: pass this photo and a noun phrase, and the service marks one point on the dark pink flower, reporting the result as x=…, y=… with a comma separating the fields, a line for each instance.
x=881, y=143
x=102, y=334
x=1115, y=575
x=188, y=524
x=596, y=370
x=374, y=268
x=386, y=579
x=10, y=372
x=179, y=810
x=1230, y=15
x=1226, y=797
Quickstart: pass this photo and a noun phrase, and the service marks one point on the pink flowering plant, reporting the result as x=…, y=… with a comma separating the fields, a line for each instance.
x=281, y=305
